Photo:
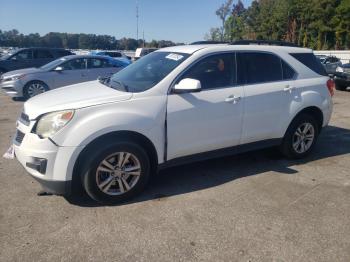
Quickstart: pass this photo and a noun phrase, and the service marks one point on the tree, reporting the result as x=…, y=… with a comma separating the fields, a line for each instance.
x=214, y=34
x=223, y=11
x=318, y=24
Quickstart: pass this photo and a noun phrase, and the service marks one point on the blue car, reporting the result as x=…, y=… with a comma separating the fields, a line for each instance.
x=114, y=54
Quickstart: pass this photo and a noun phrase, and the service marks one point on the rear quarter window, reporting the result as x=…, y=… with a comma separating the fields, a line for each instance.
x=310, y=60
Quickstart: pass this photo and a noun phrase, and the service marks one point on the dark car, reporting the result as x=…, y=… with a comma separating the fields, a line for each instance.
x=342, y=77
x=30, y=57
x=330, y=63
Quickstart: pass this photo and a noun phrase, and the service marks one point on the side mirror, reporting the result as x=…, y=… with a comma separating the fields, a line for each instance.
x=187, y=85
x=58, y=69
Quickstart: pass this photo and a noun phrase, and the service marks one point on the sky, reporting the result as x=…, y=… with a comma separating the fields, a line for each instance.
x=176, y=20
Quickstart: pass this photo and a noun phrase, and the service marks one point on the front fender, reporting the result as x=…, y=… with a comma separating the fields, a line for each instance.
x=144, y=116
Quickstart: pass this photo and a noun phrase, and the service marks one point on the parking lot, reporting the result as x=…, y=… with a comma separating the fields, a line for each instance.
x=252, y=207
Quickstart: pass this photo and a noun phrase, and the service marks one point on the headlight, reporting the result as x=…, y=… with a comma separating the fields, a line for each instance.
x=339, y=69
x=51, y=123
x=14, y=78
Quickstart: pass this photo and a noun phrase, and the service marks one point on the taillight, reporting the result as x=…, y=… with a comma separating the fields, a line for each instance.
x=330, y=86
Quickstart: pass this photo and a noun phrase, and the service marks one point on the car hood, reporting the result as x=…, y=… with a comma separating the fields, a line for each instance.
x=73, y=97
x=22, y=72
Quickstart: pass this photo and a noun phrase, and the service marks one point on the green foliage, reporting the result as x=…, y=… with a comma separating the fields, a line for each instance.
x=318, y=24
x=75, y=41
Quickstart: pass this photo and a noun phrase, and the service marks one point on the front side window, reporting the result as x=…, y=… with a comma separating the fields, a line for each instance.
x=215, y=71
x=75, y=64
x=147, y=71
x=255, y=68
x=23, y=55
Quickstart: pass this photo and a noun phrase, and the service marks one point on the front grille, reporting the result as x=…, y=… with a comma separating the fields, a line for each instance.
x=19, y=137
x=24, y=119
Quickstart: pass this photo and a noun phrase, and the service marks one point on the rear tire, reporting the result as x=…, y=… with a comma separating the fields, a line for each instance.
x=115, y=172
x=34, y=88
x=300, y=137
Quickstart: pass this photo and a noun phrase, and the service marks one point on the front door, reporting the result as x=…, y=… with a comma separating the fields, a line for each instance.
x=41, y=57
x=74, y=71
x=210, y=119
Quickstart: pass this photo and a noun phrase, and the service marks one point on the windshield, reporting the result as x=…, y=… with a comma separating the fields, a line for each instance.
x=146, y=72
x=53, y=64
x=6, y=56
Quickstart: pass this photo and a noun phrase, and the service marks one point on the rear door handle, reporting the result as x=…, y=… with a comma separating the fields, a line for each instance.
x=232, y=99
x=289, y=88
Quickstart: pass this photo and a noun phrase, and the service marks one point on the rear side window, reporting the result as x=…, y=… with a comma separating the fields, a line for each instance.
x=61, y=53
x=42, y=54
x=254, y=68
x=98, y=63
x=310, y=60
x=288, y=72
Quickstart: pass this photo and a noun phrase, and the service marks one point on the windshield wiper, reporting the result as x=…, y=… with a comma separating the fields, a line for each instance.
x=104, y=80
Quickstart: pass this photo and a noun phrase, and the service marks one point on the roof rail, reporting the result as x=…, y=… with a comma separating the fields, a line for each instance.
x=208, y=42
x=263, y=42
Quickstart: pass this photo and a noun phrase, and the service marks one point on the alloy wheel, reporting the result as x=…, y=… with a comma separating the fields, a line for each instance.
x=303, y=138
x=118, y=173
x=35, y=89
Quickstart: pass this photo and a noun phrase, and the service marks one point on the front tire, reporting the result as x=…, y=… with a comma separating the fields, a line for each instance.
x=300, y=137
x=34, y=88
x=116, y=172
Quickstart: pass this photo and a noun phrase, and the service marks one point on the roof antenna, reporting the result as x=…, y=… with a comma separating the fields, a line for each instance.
x=137, y=20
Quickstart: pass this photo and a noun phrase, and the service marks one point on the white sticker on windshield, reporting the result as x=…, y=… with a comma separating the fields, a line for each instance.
x=175, y=57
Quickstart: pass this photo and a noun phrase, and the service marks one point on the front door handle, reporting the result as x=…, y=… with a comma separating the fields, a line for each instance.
x=289, y=88
x=232, y=99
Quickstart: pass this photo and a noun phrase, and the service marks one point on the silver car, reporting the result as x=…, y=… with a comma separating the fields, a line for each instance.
x=64, y=71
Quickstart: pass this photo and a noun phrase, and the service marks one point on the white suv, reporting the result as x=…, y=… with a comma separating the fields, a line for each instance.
x=175, y=105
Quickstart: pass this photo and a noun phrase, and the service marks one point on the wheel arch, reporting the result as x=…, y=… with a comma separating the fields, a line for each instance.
x=117, y=135
x=35, y=80
x=314, y=111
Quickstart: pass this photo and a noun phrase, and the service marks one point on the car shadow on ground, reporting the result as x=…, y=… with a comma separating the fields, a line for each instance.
x=333, y=141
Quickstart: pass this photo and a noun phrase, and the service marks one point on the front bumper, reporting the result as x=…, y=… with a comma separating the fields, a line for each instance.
x=45, y=161
x=12, y=88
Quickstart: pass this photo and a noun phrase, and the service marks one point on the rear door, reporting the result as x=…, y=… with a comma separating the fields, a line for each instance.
x=210, y=119
x=74, y=71
x=269, y=90
x=42, y=57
